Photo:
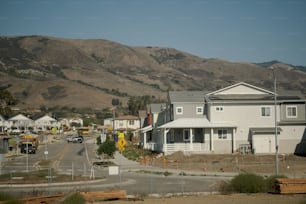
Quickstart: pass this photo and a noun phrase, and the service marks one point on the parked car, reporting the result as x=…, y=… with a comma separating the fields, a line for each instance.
x=75, y=139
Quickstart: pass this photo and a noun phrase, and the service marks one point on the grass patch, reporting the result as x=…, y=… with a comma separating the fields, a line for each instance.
x=9, y=199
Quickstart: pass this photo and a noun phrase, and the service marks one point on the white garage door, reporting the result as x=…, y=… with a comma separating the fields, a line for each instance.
x=264, y=144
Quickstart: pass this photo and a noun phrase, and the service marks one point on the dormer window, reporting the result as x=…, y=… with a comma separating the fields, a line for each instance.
x=179, y=110
x=199, y=110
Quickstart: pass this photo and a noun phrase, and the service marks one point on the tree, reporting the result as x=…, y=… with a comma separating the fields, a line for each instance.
x=108, y=147
x=106, y=113
x=138, y=103
x=6, y=100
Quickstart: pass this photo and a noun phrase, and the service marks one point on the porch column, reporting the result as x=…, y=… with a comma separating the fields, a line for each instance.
x=145, y=140
x=191, y=138
x=165, y=140
x=212, y=139
x=234, y=140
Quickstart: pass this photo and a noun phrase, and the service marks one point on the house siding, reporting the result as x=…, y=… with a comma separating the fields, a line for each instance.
x=189, y=110
x=300, y=112
x=247, y=116
x=289, y=137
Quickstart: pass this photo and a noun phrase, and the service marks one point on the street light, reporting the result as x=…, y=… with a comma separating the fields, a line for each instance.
x=275, y=125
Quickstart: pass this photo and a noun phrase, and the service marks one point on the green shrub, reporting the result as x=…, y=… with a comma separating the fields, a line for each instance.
x=167, y=173
x=9, y=199
x=75, y=198
x=108, y=147
x=248, y=183
x=98, y=140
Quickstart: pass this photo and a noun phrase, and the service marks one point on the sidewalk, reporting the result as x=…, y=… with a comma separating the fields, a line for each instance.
x=124, y=163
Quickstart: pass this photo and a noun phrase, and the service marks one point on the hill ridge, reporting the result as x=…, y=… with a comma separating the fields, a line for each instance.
x=50, y=71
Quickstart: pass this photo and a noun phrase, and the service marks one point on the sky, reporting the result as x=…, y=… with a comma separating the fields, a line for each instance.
x=233, y=30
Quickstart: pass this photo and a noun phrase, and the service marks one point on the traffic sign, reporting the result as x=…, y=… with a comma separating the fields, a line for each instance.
x=121, y=144
x=121, y=135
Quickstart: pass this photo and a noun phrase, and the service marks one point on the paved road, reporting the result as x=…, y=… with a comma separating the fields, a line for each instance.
x=76, y=159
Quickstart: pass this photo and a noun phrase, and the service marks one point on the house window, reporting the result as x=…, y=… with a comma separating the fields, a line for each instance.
x=131, y=122
x=219, y=108
x=222, y=134
x=186, y=136
x=199, y=110
x=179, y=110
x=265, y=111
x=291, y=111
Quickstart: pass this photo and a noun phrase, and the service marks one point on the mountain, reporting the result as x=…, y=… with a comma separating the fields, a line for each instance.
x=270, y=64
x=47, y=71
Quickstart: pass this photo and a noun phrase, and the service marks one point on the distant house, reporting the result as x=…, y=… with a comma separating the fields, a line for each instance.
x=238, y=118
x=3, y=124
x=108, y=122
x=126, y=123
x=70, y=122
x=45, y=123
x=78, y=121
x=19, y=123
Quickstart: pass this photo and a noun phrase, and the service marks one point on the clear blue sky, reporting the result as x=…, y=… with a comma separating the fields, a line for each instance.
x=234, y=30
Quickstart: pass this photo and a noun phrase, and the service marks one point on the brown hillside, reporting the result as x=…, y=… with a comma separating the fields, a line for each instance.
x=90, y=73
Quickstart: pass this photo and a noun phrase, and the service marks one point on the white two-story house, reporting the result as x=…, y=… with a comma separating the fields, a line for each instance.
x=126, y=123
x=237, y=118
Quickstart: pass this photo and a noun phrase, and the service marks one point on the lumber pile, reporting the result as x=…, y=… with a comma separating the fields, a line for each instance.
x=290, y=185
x=104, y=195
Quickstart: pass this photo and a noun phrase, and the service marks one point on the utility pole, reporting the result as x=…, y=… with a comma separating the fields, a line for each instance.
x=275, y=125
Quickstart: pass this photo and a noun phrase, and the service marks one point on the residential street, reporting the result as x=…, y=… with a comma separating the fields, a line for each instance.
x=76, y=159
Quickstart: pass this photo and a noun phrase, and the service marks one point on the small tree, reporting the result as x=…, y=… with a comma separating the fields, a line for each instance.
x=98, y=140
x=108, y=147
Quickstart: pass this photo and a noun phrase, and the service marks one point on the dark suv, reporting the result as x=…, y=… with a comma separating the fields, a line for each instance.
x=27, y=149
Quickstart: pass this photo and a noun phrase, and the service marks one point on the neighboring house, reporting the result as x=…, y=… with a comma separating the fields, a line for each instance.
x=67, y=123
x=126, y=123
x=3, y=124
x=108, y=122
x=19, y=123
x=236, y=118
x=45, y=123
x=78, y=121
x=155, y=117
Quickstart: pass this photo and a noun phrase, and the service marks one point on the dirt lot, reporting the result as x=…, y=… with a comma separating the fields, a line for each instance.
x=289, y=165
x=222, y=199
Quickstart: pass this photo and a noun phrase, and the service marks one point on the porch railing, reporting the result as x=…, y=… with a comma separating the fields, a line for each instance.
x=187, y=147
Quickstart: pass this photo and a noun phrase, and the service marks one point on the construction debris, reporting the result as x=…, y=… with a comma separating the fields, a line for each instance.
x=290, y=185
